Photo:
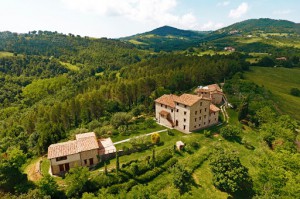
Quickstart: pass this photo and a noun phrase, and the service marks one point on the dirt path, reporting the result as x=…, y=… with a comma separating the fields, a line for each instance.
x=32, y=170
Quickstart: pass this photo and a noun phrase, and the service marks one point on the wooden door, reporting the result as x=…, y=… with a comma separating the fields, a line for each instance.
x=91, y=161
x=61, y=167
x=67, y=166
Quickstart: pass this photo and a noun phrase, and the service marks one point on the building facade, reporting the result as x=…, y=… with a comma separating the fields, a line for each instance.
x=186, y=112
x=213, y=91
x=84, y=151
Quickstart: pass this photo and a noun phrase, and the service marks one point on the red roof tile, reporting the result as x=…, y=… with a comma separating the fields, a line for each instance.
x=62, y=149
x=167, y=100
x=213, y=108
x=164, y=113
x=188, y=99
x=83, y=142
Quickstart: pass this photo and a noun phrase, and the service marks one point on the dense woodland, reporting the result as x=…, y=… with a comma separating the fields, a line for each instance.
x=43, y=101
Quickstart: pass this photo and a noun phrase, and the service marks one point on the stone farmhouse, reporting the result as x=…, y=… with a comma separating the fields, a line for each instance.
x=86, y=150
x=213, y=91
x=186, y=112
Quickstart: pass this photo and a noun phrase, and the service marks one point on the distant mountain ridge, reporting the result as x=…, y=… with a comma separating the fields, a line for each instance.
x=168, y=38
x=266, y=25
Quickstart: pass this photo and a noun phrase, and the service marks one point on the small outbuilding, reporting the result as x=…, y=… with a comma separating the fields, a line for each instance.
x=179, y=145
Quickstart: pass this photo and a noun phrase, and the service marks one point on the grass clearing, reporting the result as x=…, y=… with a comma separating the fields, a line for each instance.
x=70, y=66
x=212, y=52
x=279, y=81
x=137, y=42
x=6, y=54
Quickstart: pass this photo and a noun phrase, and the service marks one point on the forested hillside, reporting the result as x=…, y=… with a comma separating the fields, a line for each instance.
x=53, y=86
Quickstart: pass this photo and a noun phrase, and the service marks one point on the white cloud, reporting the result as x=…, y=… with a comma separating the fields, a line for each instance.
x=224, y=3
x=282, y=12
x=239, y=11
x=154, y=12
x=210, y=25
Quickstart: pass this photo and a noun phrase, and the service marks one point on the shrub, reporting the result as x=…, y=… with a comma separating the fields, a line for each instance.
x=230, y=132
x=207, y=133
x=170, y=133
x=295, y=92
x=150, y=123
x=155, y=138
x=120, y=118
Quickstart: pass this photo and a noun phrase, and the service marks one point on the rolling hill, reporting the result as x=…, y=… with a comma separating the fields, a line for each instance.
x=166, y=38
x=258, y=35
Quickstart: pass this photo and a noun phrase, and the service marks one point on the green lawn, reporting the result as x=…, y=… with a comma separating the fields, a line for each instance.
x=279, y=81
x=141, y=131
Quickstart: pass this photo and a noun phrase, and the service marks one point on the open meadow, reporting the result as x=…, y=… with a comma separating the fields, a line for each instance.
x=279, y=81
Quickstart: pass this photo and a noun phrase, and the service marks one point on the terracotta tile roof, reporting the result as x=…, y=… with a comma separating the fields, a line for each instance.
x=86, y=144
x=62, y=149
x=164, y=113
x=214, y=87
x=209, y=88
x=85, y=135
x=188, y=99
x=107, y=146
x=83, y=142
x=213, y=108
x=167, y=100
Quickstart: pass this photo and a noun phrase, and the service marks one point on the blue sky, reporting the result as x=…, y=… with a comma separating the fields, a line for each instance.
x=118, y=18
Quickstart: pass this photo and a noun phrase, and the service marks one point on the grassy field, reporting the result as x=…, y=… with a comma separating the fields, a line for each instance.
x=137, y=42
x=279, y=81
x=70, y=66
x=212, y=52
x=5, y=54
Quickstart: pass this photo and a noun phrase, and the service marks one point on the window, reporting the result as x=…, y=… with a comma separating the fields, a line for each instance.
x=61, y=158
x=184, y=106
x=214, y=113
x=177, y=104
x=177, y=110
x=204, y=116
x=199, y=118
x=199, y=124
x=184, y=112
x=161, y=105
x=195, y=126
x=85, y=161
x=166, y=106
x=172, y=110
x=215, y=119
x=208, y=121
x=183, y=127
x=200, y=110
x=184, y=120
x=195, y=119
x=200, y=103
x=204, y=123
x=205, y=109
x=195, y=112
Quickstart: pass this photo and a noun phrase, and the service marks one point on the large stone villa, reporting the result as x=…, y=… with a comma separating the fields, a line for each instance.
x=190, y=112
x=86, y=150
